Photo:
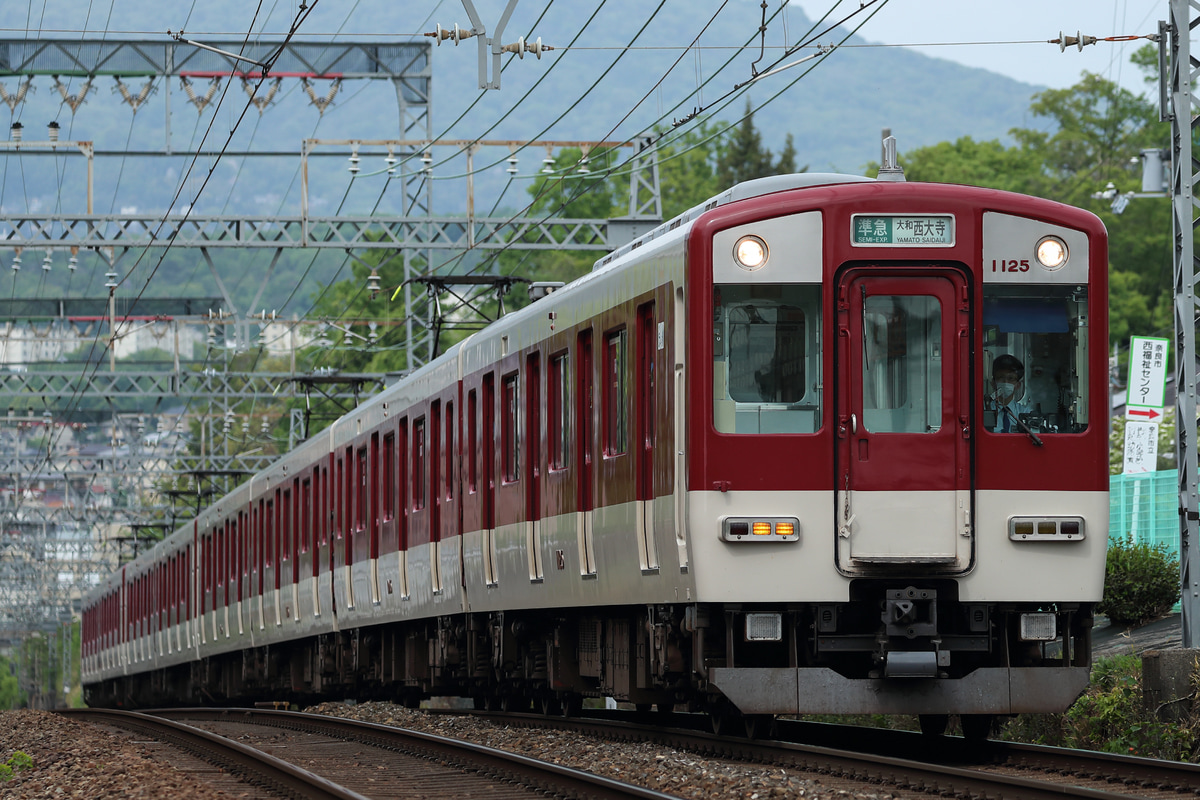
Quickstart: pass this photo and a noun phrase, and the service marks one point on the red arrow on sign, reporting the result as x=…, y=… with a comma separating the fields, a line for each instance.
x=1148, y=413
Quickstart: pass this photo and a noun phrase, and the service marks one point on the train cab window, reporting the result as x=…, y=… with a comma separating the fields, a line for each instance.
x=766, y=358
x=902, y=364
x=1035, y=353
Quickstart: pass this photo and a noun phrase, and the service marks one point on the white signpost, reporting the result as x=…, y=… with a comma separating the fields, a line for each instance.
x=1144, y=398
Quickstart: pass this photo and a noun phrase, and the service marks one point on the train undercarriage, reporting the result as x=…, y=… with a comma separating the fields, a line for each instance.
x=892, y=649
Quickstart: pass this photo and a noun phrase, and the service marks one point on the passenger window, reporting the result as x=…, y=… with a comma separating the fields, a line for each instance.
x=766, y=358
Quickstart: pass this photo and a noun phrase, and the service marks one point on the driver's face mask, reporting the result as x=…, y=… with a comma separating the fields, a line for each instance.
x=1005, y=392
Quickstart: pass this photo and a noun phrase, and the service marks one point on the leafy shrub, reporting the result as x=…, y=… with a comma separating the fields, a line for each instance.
x=1111, y=717
x=16, y=763
x=1140, y=582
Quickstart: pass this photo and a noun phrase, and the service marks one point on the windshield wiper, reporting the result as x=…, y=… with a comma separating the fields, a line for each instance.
x=1021, y=426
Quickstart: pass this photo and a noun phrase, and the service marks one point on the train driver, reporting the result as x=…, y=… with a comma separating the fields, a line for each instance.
x=1008, y=397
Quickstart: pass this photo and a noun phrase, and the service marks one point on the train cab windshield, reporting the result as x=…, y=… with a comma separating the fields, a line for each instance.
x=766, y=354
x=1035, y=359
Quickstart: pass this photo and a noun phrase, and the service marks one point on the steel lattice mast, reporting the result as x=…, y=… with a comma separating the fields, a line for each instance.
x=1182, y=110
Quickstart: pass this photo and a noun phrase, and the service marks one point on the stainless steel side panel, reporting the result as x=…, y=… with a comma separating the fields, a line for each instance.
x=991, y=690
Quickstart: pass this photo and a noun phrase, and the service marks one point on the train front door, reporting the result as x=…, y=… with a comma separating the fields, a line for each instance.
x=903, y=403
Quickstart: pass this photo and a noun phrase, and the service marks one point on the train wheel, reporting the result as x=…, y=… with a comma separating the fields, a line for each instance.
x=726, y=722
x=642, y=708
x=491, y=703
x=934, y=724
x=514, y=703
x=759, y=726
x=572, y=704
x=550, y=705
x=976, y=727
x=665, y=708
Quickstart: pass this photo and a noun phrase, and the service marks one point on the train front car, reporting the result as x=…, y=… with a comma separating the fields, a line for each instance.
x=898, y=466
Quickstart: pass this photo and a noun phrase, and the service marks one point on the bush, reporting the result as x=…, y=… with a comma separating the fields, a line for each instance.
x=1141, y=582
x=1111, y=717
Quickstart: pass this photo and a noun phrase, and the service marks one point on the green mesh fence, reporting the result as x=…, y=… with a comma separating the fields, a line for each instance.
x=1145, y=507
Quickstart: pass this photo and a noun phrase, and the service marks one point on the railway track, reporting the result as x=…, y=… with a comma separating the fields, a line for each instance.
x=904, y=760
x=325, y=758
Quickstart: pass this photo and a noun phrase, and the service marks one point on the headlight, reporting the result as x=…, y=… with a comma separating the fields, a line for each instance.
x=750, y=252
x=1051, y=252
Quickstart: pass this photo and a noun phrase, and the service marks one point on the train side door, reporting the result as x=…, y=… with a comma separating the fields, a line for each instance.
x=903, y=405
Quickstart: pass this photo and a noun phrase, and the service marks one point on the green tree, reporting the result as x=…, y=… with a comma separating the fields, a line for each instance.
x=745, y=158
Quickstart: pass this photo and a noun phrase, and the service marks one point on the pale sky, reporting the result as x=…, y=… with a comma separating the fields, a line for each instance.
x=978, y=33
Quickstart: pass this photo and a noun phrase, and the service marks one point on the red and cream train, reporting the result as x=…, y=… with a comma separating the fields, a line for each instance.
x=750, y=464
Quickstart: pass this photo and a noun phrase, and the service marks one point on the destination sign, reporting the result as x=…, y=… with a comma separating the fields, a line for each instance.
x=902, y=230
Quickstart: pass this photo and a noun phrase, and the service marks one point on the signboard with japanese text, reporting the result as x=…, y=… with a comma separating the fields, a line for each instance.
x=1147, y=372
x=903, y=230
x=1141, y=447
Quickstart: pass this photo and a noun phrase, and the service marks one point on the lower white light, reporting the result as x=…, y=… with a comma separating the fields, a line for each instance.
x=764, y=627
x=1038, y=627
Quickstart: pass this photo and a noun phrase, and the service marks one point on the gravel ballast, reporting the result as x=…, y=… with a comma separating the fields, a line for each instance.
x=75, y=760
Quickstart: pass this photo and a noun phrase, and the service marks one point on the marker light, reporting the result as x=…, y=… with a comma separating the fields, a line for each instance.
x=750, y=252
x=760, y=529
x=1051, y=252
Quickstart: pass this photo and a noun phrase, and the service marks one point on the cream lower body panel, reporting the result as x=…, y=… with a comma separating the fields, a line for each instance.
x=998, y=569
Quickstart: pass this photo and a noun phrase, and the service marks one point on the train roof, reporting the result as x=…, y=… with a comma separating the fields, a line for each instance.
x=738, y=192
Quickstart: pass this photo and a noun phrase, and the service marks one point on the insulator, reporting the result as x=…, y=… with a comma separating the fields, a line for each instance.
x=47, y=262
x=16, y=264
x=512, y=164
x=52, y=131
x=548, y=162
x=426, y=162
x=354, y=163
x=537, y=47
x=73, y=263
x=583, y=166
x=391, y=162
x=458, y=34
x=110, y=279
x=15, y=131
x=372, y=335
x=373, y=283
x=517, y=47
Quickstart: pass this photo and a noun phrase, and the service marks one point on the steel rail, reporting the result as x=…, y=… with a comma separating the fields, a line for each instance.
x=234, y=756
x=859, y=764
x=551, y=778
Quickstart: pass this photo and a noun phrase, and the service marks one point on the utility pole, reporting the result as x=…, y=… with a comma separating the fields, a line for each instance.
x=1175, y=73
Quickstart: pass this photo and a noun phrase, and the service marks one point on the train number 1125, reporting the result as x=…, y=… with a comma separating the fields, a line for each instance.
x=1010, y=265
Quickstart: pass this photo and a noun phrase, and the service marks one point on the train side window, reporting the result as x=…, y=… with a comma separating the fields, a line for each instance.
x=360, y=490
x=616, y=395
x=449, y=451
x=472, y=442
x=766, y=358
x=558, y=407
x=306, y=498
x=389, y=477
x=418, y=462
x=510, y=447
x=285, y=527
x=1045, y=327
